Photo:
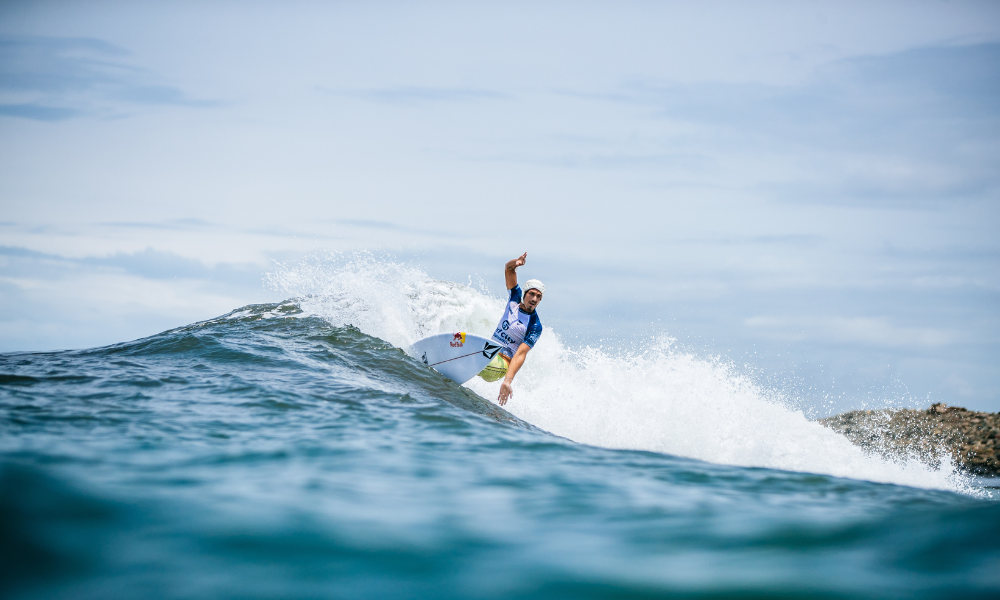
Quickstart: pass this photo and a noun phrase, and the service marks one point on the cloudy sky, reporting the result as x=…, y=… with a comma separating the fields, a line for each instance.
x=811, y=189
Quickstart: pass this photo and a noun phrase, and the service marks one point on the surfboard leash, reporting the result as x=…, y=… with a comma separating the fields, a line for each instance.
x=484, y=351
x=456, y=358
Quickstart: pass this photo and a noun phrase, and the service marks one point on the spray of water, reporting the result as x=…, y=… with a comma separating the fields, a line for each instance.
x=657, y=399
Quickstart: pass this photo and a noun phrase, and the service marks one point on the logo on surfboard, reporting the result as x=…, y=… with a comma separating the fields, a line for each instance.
x=490, y=350
x=459, y=340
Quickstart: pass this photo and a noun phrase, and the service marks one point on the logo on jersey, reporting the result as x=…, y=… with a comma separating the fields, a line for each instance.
x=458, y=340
x=505, y=325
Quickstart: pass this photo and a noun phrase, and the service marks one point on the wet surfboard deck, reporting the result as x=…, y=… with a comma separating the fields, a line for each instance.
x=459, y=356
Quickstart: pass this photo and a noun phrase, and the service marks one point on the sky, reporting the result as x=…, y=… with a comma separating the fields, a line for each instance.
x=809, y=190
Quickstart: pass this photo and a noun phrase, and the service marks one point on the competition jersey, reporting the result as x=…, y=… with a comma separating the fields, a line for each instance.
x=517, y=327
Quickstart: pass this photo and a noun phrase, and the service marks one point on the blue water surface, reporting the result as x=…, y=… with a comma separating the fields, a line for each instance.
x=267, y=454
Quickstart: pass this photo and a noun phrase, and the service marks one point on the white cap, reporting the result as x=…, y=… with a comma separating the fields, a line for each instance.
x=534, y=284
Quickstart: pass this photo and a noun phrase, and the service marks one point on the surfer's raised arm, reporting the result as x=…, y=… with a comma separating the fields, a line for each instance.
x=518, y=330
x=510, y=273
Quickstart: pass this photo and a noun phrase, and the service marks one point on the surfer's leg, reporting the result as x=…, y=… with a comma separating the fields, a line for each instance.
x=496, y=369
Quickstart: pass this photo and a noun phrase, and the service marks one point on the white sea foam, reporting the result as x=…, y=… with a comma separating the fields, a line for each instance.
x=658, y=399
x=395, y=302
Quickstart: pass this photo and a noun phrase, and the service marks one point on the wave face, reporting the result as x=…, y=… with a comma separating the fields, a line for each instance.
x=294, y=450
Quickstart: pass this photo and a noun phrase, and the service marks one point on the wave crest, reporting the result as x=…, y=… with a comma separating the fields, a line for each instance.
x=656, y=399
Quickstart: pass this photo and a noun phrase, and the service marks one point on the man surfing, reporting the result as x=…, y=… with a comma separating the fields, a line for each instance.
x=518, y=331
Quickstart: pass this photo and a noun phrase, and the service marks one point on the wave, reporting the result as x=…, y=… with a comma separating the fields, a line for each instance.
x=657, y=399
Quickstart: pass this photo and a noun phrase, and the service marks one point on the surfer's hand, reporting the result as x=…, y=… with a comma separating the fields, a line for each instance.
x=505, y=393
x=517, y=262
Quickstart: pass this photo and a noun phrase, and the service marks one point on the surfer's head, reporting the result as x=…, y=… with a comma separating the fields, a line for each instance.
x=533, y=290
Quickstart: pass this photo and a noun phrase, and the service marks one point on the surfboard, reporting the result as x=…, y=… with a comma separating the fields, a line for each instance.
x=459, y=356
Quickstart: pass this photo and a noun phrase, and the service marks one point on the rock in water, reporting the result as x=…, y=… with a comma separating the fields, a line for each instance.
x=968, y=437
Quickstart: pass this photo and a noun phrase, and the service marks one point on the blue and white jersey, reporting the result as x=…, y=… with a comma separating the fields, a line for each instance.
x=517, y=327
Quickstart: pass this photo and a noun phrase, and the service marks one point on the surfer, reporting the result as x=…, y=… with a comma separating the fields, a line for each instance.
x=518, y=331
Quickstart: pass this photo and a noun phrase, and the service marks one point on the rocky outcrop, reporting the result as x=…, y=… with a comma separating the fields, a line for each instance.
x=970, y=438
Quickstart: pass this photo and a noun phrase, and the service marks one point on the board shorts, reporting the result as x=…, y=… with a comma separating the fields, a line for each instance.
x=496, y=369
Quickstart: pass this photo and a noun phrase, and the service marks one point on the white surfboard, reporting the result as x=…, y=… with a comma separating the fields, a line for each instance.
x=458, y=356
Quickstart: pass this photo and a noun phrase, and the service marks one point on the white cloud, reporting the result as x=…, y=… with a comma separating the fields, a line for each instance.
x=855, y=330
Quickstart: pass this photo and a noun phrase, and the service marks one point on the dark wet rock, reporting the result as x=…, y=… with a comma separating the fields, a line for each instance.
x=969, y=438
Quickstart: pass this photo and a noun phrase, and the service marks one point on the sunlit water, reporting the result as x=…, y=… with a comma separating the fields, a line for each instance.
x=295, y=451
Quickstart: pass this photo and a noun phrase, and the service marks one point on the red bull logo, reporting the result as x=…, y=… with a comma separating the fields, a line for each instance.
x=459, y=340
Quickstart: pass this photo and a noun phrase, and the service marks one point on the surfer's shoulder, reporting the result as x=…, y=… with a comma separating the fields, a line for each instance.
x=534, y=329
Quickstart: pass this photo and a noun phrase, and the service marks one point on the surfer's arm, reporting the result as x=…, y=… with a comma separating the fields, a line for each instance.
x=515, y=365
x=510, y=273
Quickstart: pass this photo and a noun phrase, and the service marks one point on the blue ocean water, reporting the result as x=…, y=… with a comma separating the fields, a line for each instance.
x=295, y=450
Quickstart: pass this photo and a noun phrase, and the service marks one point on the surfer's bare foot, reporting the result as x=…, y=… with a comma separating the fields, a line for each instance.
x=505, y=393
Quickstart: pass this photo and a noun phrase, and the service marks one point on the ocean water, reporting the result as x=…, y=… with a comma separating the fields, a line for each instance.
x=294, y=450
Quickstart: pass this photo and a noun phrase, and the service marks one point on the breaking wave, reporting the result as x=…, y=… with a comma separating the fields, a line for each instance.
x=656, y=398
